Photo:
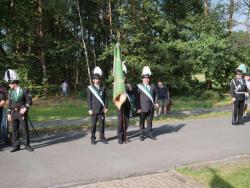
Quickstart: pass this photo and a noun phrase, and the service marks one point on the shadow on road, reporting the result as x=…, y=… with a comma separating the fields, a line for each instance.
x=165, y=129
x=55, y=139
x=158, y=131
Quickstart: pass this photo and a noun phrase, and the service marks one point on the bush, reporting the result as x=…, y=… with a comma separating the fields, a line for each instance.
x=209, y=94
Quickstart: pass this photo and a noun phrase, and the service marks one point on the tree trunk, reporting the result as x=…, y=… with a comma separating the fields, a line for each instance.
x=110, y=21
x=206, y=7
x=83, y=41
x=248, y=19
x=208, y=81
x=76, y=76
x=41, y=53
x=94, y=56
x=133, y=12
x=230, y=17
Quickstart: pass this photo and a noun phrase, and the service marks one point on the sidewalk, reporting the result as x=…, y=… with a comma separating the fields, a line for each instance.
x=170, y=179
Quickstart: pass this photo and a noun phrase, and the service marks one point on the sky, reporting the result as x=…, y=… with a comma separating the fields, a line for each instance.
x=239, y=16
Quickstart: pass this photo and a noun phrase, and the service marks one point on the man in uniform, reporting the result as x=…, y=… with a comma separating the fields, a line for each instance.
x=19, y=104
x=2, y=104
x=145, y=103
x=2, y=101
x=247, y=80
x=124, y=113
x=97, y=105
x=238, y=90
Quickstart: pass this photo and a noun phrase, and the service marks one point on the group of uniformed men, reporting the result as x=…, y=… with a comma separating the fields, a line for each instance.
x=144, y=95
x=20, y=101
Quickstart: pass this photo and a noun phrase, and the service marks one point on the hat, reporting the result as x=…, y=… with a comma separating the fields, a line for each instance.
x=243, y=68
x=247, y=74
x=124, y=68
x=146, y=72
x=97, y=73
x=238, y=71
x=11, y=76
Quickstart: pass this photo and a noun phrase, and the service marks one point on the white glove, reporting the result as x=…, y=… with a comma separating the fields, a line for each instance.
x=90, y=112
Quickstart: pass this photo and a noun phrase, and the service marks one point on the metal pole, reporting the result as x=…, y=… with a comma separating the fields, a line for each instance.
x=32, y=126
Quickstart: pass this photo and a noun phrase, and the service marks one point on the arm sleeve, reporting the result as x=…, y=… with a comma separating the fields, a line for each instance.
x=106, y=98
x=232, y=88
x=155, y=95
x=137, y=99
x=28, y=98
x=9, y=104
x=89, y=99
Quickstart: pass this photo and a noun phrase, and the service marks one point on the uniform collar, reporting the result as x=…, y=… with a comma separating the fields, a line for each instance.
x=17, y=90
x=97, y=86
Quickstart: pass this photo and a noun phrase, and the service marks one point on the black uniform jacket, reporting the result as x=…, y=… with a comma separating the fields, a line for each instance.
x=93, y=103
x=23, y=99
x=238, y=86
x=143, y=102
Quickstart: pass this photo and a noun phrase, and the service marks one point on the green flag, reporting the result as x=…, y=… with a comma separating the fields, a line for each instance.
x=119, y=92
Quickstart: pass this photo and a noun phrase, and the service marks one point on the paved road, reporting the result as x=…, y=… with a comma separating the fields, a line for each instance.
x=69, y=159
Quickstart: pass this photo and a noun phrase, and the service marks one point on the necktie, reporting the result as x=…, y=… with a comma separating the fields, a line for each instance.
x=97, y=87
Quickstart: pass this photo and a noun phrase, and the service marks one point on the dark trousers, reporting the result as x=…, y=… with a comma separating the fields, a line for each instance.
x=238, y=106
x=1, y=119
x=123, y=119
x=19, y=121
x=149, y=117
x=94, y=119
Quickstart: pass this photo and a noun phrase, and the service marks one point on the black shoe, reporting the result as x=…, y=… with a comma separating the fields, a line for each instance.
x=29, y=148
x=15, y=149
x=126, y=140
x=141, y=138
x=120, y=141
x=93, y=141
x=150, y=135
x=104, y=141
x=241, y=121
x=235, y=124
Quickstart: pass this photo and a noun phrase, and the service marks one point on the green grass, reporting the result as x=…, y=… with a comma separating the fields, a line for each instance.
x=190, y=103
x=235, y=175
x=57, y=108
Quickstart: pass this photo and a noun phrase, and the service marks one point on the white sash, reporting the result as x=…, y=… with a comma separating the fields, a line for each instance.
x=128, y=97
x=237, y=88
x=143, y=89
x=93, y=90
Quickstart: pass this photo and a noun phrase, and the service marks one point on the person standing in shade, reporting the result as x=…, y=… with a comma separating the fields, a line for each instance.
x=124, y=113
x=19, y=103
x=162, y=98
x=2, y=101
x=247, y=80
x=65, y=88
x=145, y=103
x=2, y=104
x=97, y=105
x=239, y=91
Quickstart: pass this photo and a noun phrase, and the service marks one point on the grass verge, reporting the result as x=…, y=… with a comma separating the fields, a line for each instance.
x=229, y=174
x=57, y=108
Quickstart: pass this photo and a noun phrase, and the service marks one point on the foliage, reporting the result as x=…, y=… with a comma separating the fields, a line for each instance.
x=42, y=41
